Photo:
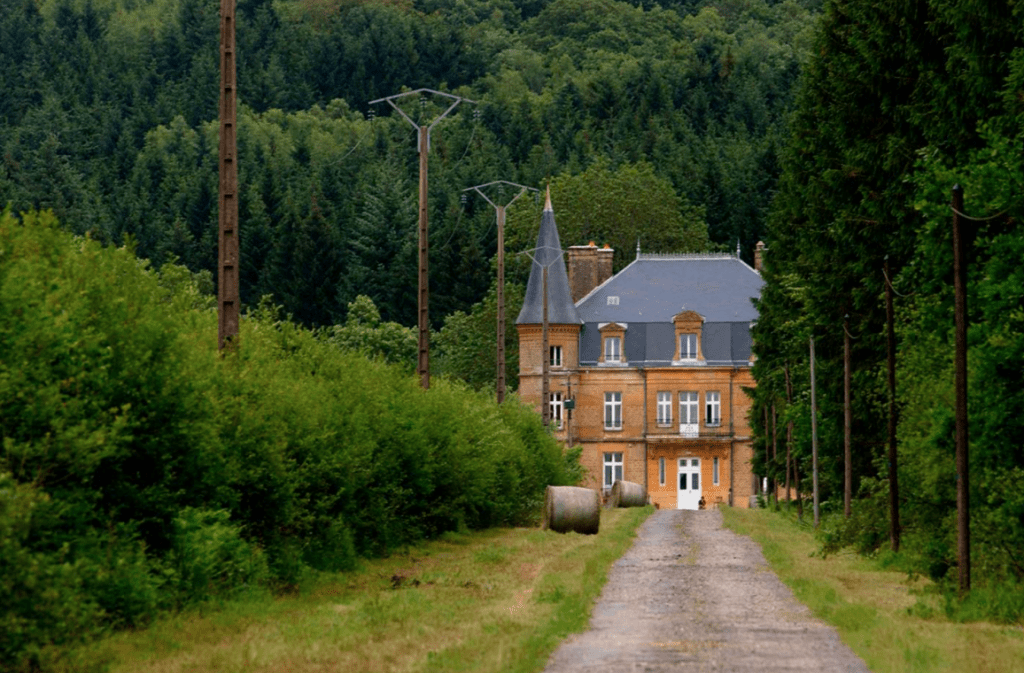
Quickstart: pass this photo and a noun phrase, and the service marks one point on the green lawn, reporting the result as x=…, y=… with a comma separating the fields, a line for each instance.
x=496, y=600
x=871, y=607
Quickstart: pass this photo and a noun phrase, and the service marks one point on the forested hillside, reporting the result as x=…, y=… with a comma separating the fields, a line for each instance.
x=110, y=106
x=899, y=102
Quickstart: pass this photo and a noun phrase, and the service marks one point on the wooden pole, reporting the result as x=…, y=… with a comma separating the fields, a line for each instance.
x=501, y=304
x=228, y=303
x=799, y=498
x=423, y=367
x=894, y=489
x=847, y=422
x=789, y=433
x=775, y=455
x=767, y=458
x=814, y=440
x=963, y=516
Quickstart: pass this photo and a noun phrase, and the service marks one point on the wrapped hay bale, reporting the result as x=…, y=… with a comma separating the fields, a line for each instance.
x=627, y=494
x=571, y=508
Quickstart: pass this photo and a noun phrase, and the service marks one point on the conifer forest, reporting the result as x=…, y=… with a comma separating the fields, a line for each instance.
x=142, y=472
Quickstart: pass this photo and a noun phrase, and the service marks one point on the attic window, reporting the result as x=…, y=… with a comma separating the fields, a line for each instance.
x=613, y=338
x=613, y=301
x=688, y=327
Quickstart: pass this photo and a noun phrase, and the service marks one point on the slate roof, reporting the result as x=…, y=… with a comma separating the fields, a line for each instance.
x=561, y=309
x=655, y=288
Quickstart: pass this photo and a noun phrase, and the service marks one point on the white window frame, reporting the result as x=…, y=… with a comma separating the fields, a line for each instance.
x=556, y=409
x=689, y=412
x=612, y=349
x=556, y=356
x=664, y=408
x=612, y=468
x=712, y=409
x=714, y=472
x=688, y=346
x=613, y=411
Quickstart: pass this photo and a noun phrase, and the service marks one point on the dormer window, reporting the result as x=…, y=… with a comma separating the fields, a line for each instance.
x=613, y=339
x=612, y=349
x=688, y=350
x=688, y=346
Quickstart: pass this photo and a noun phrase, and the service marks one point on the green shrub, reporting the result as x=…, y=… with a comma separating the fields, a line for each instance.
x=145, y=471
x=210, y=559
x=42, y=600
x=1001, y=602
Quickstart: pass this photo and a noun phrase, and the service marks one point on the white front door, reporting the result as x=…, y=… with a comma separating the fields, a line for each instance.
x=688, y=483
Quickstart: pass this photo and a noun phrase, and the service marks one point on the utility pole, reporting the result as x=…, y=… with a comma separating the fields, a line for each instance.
x=796, y=461
x=775, y=456
x=227, y=243
x=423, y=135
x=500, y=381
x=847, y=421
x=894, y=489
x=963, y=516
x=789, y=433
x=767, y=460
x=814, y=439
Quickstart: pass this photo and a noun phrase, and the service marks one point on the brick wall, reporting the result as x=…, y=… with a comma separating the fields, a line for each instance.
x=644, y=443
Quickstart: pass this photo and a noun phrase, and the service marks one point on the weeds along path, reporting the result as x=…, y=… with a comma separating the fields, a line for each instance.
x=690, y=595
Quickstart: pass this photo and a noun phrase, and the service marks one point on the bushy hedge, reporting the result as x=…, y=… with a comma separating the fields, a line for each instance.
x=141, y=471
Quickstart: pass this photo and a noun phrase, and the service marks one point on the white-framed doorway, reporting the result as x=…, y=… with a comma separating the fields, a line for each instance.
x=688, y=484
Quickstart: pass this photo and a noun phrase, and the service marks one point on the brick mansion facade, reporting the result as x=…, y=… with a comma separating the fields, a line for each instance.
x=646, y=368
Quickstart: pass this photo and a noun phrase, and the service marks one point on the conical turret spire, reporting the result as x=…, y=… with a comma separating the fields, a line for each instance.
x=561, y=309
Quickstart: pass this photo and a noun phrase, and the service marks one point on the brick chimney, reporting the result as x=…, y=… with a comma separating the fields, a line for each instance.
x=759, y=256
x=604, y=265
x=589, y=266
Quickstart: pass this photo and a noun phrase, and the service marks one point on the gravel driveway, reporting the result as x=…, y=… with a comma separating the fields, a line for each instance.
x=690, y=595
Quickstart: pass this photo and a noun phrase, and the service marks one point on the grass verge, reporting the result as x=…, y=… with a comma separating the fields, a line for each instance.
x=874, y=609
x=495, y=600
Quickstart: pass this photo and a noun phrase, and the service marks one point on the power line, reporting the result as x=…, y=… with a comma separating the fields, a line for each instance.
x=500, y=213
x=423, y=137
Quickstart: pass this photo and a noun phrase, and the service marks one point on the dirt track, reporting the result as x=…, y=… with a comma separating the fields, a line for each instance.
x=692, y=596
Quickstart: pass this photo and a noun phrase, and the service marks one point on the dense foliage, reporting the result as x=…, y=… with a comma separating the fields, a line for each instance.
x=110, y=106
x=899, y=102
x=141, y=471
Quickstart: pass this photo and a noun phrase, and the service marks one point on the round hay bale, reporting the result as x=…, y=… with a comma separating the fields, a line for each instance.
x=571, y=508
x=628, y=494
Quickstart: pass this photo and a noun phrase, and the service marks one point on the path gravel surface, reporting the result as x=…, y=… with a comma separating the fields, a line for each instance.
x=690, y=595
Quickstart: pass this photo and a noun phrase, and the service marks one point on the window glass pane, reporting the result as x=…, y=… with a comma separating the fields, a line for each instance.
x=695, y=481
x=661, y=471
x=618, y=472
x=682, y=480
x=695, y=462
x=607, y=474
x=687, y=346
